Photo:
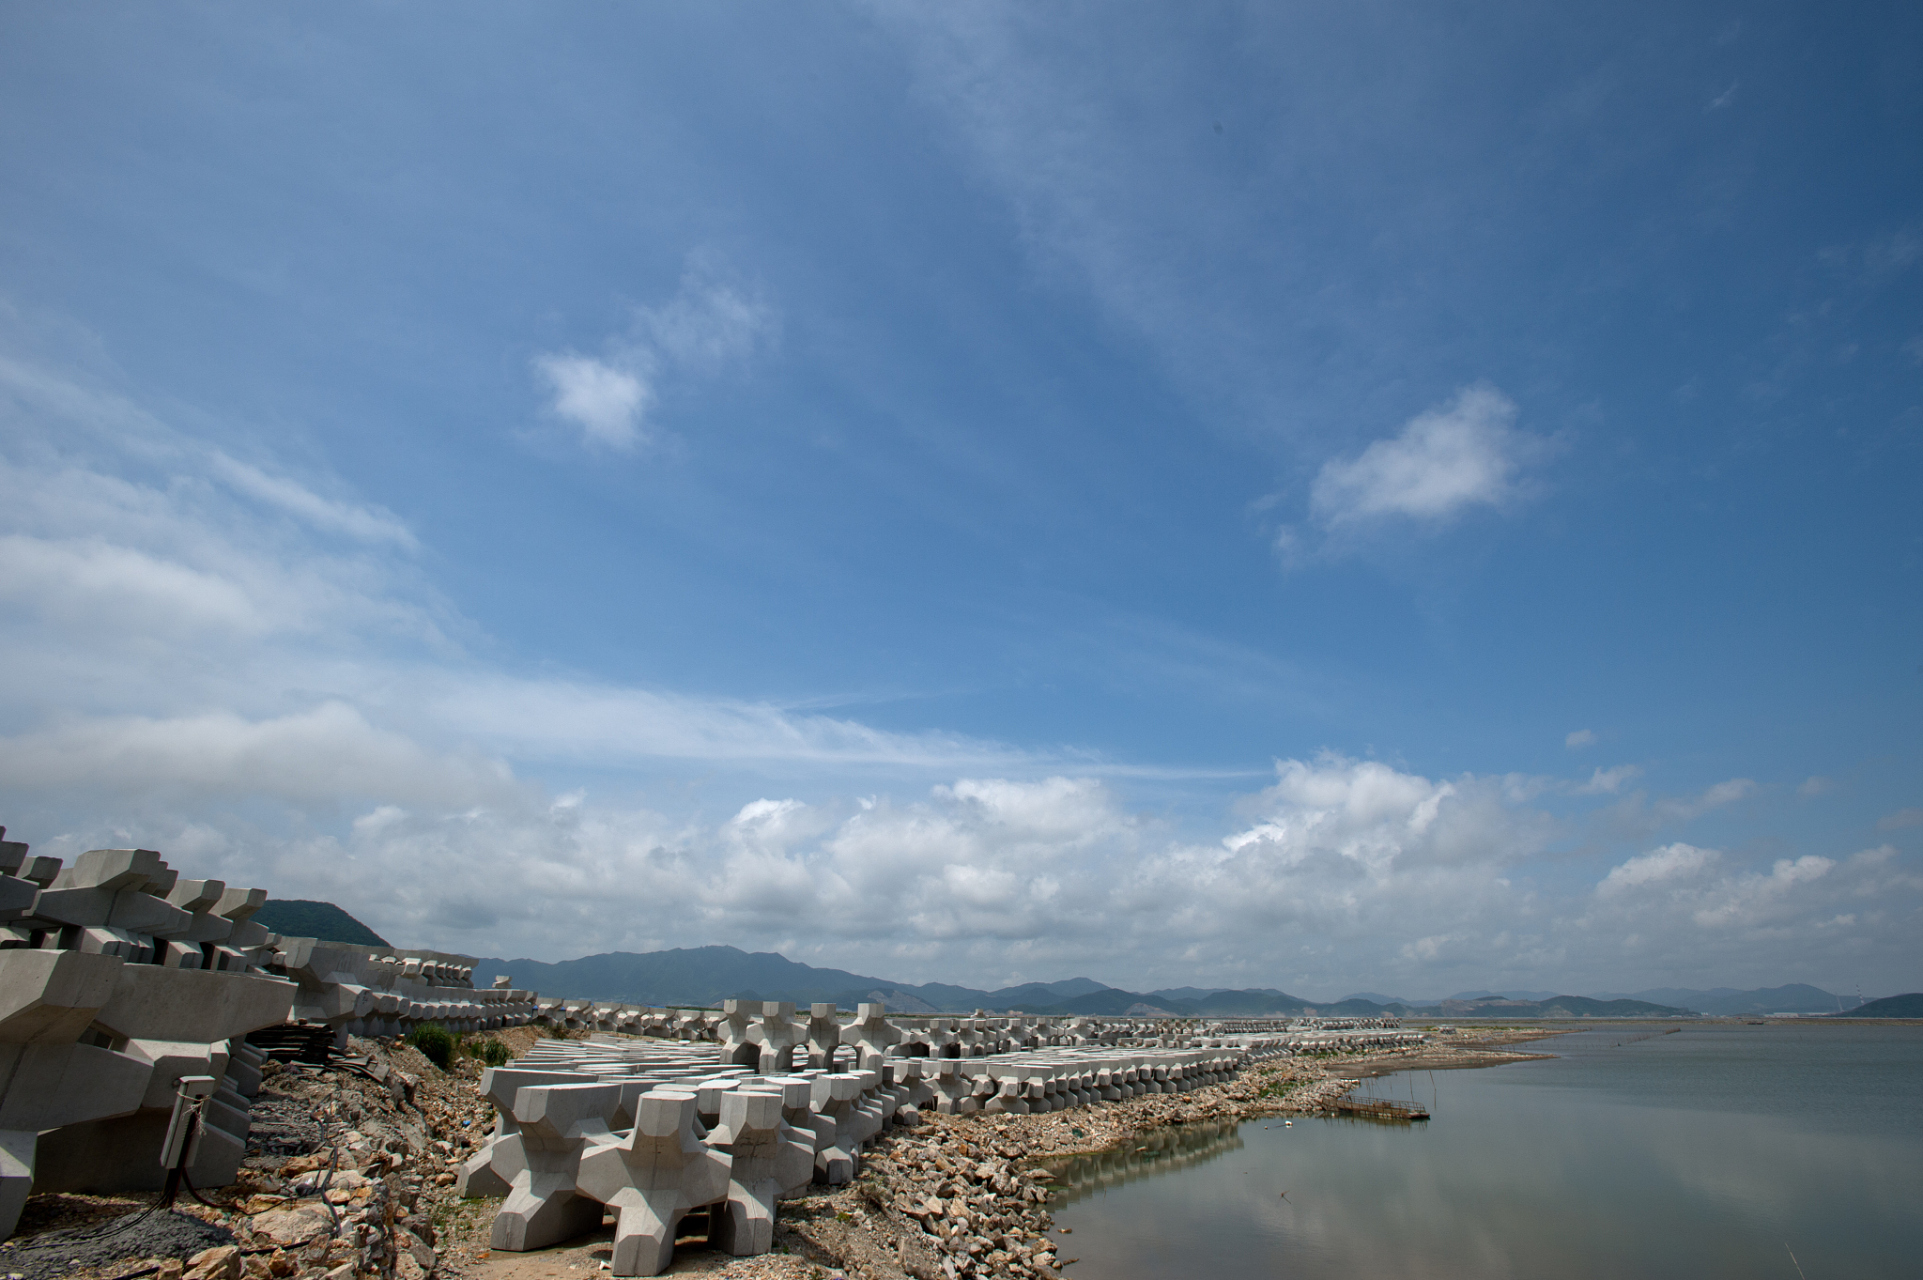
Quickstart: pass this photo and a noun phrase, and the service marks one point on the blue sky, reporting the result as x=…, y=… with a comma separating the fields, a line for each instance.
x=1330, y=497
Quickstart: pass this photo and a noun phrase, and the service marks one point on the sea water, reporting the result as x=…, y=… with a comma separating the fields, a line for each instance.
x=1782, y=1150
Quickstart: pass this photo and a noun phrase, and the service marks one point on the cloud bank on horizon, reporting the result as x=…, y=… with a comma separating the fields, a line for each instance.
x=1151, y=508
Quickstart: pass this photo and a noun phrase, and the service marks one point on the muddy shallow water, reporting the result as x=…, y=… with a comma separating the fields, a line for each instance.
x=1720, y=1150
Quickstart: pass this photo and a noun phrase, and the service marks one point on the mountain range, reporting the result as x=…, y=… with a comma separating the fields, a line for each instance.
x=705, y=976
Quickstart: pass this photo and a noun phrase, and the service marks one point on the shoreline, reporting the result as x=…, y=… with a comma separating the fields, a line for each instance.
x=971, y=1195
x=950, y=1197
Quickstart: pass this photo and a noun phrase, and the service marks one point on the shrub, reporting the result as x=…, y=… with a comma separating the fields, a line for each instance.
x=435, y=1042
x=493, y=1053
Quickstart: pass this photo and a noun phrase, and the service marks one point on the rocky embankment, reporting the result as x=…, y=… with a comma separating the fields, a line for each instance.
x=351, y=1171
x=349, y=1174
x=968, y=1195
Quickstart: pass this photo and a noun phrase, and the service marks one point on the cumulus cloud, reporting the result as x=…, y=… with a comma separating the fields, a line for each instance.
x=1447, y=460
x=1747, y=899
x=1580, y=738
x=606, y=401
x=704, y=328
x=1900, y=819
x=1671, y=862
x=1815, y=785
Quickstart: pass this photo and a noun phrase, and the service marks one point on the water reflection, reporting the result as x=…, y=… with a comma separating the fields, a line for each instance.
x=1713, y=1152
x=1162, y=1152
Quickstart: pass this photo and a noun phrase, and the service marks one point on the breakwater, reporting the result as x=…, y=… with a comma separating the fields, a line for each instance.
x=657, y=1130
x=127, y=993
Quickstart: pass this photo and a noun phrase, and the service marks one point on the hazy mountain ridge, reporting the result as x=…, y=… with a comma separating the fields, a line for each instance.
x=1904, y=1006
x=705, y=976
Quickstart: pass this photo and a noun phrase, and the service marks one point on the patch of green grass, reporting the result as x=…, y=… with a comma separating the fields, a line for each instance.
x=490, y=1052
x=435, y=1042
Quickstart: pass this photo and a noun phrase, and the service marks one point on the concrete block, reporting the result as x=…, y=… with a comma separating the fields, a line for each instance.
x=652, y=1177
x=555, y=1124
x=52, y=996
x=151, y=1002
x=16, y=1172
x=756, y=1138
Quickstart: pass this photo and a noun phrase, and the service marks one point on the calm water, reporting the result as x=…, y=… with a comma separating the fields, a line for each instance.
x=1715, y=1151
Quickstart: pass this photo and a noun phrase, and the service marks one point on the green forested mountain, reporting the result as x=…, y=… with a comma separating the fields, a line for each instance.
x=302, y=918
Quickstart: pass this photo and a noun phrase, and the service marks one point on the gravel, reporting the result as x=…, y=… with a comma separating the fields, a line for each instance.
x=167, y=1234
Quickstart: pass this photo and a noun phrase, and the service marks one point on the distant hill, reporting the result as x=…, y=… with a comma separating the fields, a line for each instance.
x=709, y=975
x=1728, y=1002
x=1529, y=997
x=1554, y=1007
x=1904, y=1006
x=706, y=976
x=688, y=976
x=301, y=918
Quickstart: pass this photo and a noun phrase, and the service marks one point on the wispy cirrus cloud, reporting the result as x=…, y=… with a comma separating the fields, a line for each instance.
x=292, y=706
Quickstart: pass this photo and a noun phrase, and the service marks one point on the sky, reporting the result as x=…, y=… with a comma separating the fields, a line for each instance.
x=1336, y=497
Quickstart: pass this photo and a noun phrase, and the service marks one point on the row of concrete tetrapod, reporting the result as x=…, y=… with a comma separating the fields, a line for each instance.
x=118, y=978
x=812, y=1033
x=762, y=1030
x=377, y=992
x=652, y=1131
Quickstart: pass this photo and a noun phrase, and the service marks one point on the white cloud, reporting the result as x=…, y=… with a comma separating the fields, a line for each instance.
x=606, y=402
x=1815, y=785
x=1580, y=738
x=1750, y=899
x=327, y=755
x=1900, y=819
x=1672, y=862
x=1446, y=460
x=284, y=701
x=1608, y=781
x=1689, y=808
x=368, y=524
x=95, y=583
x=704, y=328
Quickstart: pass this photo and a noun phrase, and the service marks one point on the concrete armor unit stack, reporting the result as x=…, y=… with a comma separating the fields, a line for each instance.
x=117, y=978
x=379, y=992
x=654, y=1129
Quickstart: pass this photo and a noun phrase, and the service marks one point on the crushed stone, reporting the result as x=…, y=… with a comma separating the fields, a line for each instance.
x=126, y=1240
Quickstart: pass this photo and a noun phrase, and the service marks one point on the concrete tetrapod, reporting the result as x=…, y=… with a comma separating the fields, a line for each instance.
x=652, y=1177
x=761, y=1148
x=500, y=1085
x=540, y=1159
